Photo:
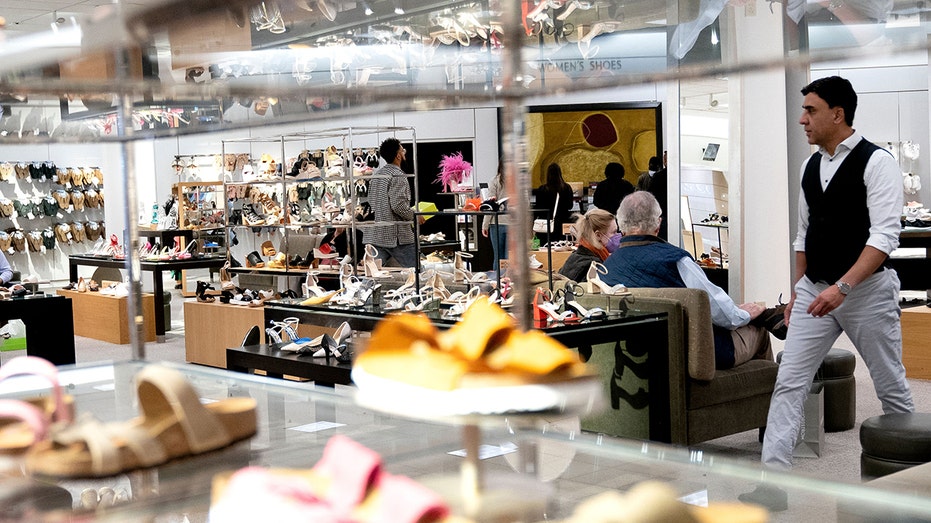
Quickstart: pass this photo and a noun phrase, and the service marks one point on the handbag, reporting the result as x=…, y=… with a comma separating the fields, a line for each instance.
x=542, y=225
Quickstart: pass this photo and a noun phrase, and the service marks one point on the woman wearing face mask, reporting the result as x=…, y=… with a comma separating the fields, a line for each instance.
x=594, y=231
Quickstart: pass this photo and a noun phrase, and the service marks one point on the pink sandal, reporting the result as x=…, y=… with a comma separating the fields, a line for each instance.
x=347, y=484
x=26, y=422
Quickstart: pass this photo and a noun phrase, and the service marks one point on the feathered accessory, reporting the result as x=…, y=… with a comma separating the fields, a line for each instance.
x=453, y=170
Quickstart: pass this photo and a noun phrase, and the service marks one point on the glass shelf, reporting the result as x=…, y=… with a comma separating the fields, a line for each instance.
x=563, y=464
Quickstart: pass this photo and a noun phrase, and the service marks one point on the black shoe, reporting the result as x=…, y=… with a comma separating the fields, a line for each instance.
x=773, y=319
x=772, y=498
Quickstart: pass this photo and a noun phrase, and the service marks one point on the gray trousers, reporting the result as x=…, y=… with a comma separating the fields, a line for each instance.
x=870, y=317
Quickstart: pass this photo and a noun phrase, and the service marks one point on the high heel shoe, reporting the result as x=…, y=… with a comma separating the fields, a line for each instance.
x=202, y=295
x=82, y=285
x=462, y=270
x=545, y=310
x=595, y=313
x=372, y=271
x=273, y=333
x=439, y=287
x=370, y=266
x=406, y=288
x=398, y=300
x=464, y=302
x=226, y=281
x=594, y=271
x=423, y=302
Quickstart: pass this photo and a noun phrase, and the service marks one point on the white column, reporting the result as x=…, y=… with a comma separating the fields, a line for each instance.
x=758, y=178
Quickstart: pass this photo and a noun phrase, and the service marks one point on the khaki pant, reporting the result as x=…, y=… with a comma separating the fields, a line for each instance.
x=751, y=343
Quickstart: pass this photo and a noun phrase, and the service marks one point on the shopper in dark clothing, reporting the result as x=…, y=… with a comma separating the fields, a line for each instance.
x=546, y=200
x=658, y=189
x=592, y=230
x=612, y=189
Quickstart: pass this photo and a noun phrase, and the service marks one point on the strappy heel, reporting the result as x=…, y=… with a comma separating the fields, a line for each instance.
x=202, y=295
x=226, y=281
x=595, y=313
x=370, y=267
x=594, y=278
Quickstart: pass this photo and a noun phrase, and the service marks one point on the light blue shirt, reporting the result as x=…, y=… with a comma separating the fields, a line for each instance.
x=6, y=271
x=724, y=312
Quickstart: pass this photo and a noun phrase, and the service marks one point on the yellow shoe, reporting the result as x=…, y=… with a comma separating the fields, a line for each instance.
x=319, y=300
x=280, y=261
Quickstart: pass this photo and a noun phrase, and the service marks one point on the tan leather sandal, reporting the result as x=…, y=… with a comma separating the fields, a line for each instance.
x=173, y=424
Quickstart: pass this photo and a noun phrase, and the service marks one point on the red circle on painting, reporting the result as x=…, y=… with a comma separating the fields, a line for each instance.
x=599, y=130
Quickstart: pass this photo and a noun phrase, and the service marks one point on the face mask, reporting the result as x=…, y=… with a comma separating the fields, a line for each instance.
x=613, y=242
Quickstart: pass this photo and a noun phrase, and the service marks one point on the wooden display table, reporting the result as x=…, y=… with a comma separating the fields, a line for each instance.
x=559, y=258
x=916, y=350
x=105, y=317
x=210, y=328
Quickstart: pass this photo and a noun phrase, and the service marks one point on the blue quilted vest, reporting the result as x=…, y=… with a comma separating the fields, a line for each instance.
x=648, y=261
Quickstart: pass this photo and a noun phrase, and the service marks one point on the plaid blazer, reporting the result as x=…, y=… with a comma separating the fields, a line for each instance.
x=390, y=198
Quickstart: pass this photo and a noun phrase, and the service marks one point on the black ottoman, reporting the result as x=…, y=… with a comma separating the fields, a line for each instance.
x=840, y=389
x=894, y=442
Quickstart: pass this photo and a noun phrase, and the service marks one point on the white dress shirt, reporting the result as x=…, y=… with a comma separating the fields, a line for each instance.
x=884, y=197
x=724, y=312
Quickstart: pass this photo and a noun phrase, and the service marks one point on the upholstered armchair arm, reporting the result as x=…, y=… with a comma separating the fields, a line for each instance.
x=699, y=337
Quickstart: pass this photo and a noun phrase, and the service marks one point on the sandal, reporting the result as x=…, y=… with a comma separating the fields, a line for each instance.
x=349, y=483
x=24, y=423
x=174, y=424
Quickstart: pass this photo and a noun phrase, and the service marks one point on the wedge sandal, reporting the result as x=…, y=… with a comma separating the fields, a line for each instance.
x=173, y=425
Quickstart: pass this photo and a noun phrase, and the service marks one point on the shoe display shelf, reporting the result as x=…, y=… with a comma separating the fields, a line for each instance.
x=45, y=209
x=105, y=317
x=473, y=217
x=320, y=188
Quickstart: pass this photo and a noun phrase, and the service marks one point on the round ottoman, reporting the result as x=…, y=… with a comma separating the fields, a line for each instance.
x=894, y=442
x=840, y=389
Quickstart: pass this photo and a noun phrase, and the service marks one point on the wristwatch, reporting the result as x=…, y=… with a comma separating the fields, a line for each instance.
x=843, y=286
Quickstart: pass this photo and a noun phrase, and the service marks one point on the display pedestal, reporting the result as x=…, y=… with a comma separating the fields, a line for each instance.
x=210, y=328
x=106, y=317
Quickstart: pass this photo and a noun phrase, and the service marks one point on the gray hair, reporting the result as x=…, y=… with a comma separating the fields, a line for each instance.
x=639, y=213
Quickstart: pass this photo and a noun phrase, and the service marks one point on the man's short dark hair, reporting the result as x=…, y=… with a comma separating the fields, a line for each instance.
x=835, y=91
x=654, y=164
x=389, y=149
x=614, y=170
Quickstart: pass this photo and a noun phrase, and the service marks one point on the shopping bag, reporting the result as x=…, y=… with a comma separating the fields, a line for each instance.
x=13, y=336
x=811, y=432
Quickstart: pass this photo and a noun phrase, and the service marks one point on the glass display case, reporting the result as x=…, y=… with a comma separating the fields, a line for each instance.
x=125, y=75
x=543, y=457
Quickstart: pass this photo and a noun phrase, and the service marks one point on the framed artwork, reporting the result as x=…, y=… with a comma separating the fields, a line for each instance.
x=583, y=139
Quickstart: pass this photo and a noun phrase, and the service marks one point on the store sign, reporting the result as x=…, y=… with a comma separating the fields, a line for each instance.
x=580, y=65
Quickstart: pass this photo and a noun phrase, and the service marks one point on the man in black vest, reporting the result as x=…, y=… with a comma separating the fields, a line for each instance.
x=849, y=210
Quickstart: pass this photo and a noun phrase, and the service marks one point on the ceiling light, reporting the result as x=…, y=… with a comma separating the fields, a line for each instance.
x=368, y=9
x=398, y=10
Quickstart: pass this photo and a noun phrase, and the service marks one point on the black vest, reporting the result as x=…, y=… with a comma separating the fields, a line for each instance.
x=838, y=218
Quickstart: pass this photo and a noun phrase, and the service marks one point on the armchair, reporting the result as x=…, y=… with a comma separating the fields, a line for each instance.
x=704, y=403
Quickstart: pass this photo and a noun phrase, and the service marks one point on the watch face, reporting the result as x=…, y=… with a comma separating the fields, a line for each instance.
x=844, y=287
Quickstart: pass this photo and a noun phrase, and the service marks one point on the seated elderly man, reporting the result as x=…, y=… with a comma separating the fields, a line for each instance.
x=644, y=260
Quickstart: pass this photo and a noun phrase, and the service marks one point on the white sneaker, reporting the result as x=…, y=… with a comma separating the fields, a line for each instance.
x=534, y=262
